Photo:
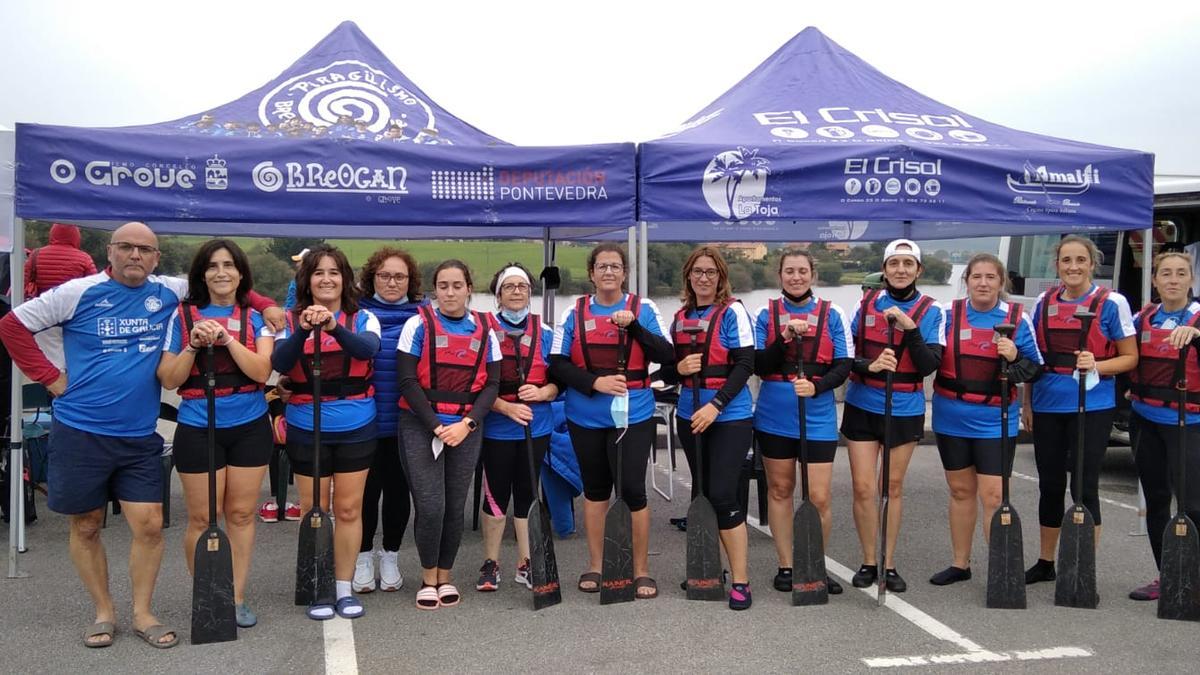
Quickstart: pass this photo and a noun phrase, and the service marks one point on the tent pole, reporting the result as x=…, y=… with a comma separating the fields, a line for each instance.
x=547, y=261
x=16, y=457
x=632, y=278
x=644, y=261
x=1147, y=264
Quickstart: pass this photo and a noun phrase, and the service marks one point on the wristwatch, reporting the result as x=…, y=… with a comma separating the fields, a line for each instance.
x=471, y=424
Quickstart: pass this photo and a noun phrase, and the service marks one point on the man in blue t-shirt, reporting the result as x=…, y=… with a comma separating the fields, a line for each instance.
x=103, y=435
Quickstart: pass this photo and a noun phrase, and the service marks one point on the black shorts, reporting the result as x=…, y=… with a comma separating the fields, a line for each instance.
x=336, y=456
x=860, y=425
x=246, y=445
x=783, y=447
x=960, y=453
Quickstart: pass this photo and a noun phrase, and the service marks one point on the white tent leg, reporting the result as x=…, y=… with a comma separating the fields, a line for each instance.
x=632, y=272
x=548, y=254
x=643, y=262
x=16, y=483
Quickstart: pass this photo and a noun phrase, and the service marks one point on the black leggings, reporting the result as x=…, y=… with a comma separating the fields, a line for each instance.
x=596, y=451
x=506, y=472
x=1055, y=438
x=725, y=448
x=385, y=478
x=1156, y=453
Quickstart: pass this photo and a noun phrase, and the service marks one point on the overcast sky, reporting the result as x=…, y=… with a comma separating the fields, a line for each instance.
x=1122, y=74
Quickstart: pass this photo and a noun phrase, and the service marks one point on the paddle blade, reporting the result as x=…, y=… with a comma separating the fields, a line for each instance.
x=808, y=558
x=1179, y=590
x=543, y=565
x=1076, y=582
x=213, y=618
x=314, y=560
x=616, y=572
x=1006, y=561
x=703, y=552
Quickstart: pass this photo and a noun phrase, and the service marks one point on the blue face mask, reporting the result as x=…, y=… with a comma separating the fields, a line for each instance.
x=514, y=317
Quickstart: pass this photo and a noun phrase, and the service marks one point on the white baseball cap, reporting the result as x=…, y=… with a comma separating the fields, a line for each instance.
x=896, y=248
x=300, y=256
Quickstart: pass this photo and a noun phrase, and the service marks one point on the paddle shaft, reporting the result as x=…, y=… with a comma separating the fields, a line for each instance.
x=885, y=471
x=699, y=438
x=1006, y=331
x=1085, y=324
x=621, y=432
x=316, y=389
x=803, y=428
x=210, y=383
x=1181, y=386
x=534, y=485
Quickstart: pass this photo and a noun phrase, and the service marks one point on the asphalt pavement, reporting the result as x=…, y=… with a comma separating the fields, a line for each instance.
x=946, y=629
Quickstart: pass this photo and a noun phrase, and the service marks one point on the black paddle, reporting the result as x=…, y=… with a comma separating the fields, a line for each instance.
x=213, y=615
x=1006, y=551
x=1076, y=582
x=616, y=571
x=885, y=473
x=703, y=536
x=543, y=565
x=1179, y=590
x=314, y=557
x=808, y=543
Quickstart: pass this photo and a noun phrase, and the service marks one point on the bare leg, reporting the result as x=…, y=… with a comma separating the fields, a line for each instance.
x=145, y=557
x=864, y=457
x=820, y=484
x=736, y=543
x=990, y=491
x=641, y=544
x=781, y=487
x=91, y=562
x=347, y=529
x=593, y=521
x=493, y=532
x=964, y=512
x=195, y=497
x=242, y=485
x=900, y=458
x=1049, y=542
x=521, y=526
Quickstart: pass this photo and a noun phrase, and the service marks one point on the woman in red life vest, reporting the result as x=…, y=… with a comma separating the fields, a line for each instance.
x=966, y=402
x=449, y=366
x=719, y=366
x=826, y=350
x=916, y=351
x=1111, y=349
x=350, y=337
x=600, y=401
x=1163, y=330
x=505, y=467
x=216, y=313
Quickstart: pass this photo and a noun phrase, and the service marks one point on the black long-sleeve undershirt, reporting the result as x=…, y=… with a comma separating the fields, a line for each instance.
x=741, y=367
x=656, y=348
x=771, y=361
x=926, y=358
x=361, y=346
x=410, y=389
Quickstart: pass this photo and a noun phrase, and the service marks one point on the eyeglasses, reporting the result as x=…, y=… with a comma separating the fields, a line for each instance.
x=610, y=267
x=514, y=288
x=126, y=248
x=698, y=273
x=386, y=279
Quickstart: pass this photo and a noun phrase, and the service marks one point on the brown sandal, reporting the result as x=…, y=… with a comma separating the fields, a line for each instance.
x=642, y=583
x=101, y=629
x=592, y=578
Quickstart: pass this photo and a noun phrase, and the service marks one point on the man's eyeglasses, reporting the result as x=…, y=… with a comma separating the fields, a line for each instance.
x=698, y=273
x=511, y=288
x=386, y=279
x=126, y=248
x=610, y=267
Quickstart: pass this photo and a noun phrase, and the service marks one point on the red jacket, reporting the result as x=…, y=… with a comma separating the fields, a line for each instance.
x=57, y=262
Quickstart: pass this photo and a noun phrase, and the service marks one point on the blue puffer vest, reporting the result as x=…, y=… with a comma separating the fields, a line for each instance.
x=387, y=382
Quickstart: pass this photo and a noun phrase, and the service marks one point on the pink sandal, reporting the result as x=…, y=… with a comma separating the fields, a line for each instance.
x=448, y=595
x=427, y=597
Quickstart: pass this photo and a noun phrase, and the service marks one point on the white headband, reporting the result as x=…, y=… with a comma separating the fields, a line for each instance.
x=509, y=272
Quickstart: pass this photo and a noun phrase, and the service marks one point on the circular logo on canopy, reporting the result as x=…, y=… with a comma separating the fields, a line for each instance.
x=345, y=93
x=735, y=182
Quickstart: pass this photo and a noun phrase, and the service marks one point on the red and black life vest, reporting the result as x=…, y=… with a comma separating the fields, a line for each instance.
x=1058, y=332
x=1154, y=380
x=716, y=363
x=596, y=339
x=536, y=369
x=818, y=343
x=229, y=377
x=453, y=368
x=871, y=339
x=970, y=364
x=341, y=376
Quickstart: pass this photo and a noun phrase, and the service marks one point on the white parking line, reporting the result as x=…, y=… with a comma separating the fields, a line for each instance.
x=973, y=651
x=340, y=657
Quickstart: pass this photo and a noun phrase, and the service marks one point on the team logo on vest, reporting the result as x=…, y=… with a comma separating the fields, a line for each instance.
x=152, y=304
x=735, y=185
x=347, y=92
x=104, y=173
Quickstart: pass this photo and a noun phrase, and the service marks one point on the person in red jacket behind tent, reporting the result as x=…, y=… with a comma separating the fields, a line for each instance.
x=57, y=262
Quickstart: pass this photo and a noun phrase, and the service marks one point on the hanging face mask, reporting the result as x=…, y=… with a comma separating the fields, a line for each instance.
x=514, y=316
x=620, y=411
x=1091, y=379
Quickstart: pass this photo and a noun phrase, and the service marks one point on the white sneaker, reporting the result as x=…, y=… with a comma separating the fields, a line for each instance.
x=364, y=573
x=390, y=578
